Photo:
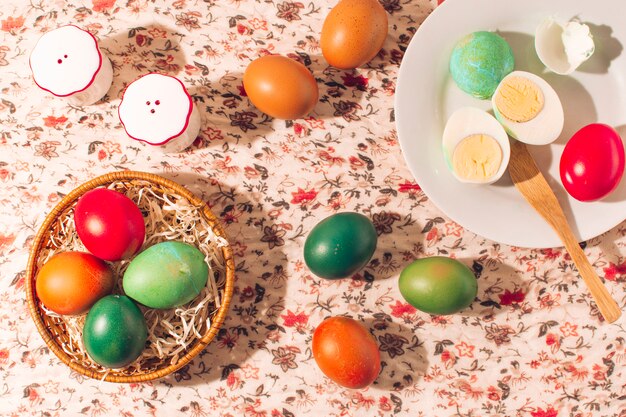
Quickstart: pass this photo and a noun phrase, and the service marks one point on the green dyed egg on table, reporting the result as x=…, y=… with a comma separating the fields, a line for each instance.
x=166, y=275
x=438, y=285
x=115, y=331
x=479, y=62
x=340, y=245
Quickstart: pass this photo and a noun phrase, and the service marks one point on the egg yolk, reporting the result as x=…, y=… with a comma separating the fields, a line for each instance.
x=477, y=157
x=518, y=99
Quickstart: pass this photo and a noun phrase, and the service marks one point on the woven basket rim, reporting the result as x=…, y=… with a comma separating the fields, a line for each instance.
x=70, y=199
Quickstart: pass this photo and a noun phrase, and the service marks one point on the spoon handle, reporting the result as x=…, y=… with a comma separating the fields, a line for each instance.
x=607, y=306
x=536, y=190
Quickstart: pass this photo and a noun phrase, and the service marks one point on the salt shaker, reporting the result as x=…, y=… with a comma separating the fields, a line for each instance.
x=68, y=63
x=158, y=110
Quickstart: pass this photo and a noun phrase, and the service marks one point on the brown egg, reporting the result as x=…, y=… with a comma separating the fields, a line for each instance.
x=353, y=33
x=280, y=87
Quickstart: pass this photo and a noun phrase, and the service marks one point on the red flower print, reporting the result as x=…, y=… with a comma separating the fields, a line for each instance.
x=356, y=163
x=399, y=309
x=493, y=393
x=550, y=253
x=554, y=341
x=167, y=64
x=599, y=372
x=11, y=24
x=246, y=294
x=548, y=301
x=4, y=356
x=141, y=39
x=454, y=229
x=212, y=134
x=361, y=400
x=384, y=404
x=52, y=121
x=157, y=33
x=300, y=130
x=302, y=197
x=433, y=235
x=549, y=412
x=615, y=272
x=465, y=350
x=509, y=297
x=257, y=23
x=409, y=187
x=5, y=174
x=228, y=340
x=448, y=358
x=315, y=123
x=103, y=5
x=233, y=380
x=33, y=396
x=569, y=329
x=360, y=82
x=101, y=154
x=295, y=320
x=243, y=30
x=327, y=156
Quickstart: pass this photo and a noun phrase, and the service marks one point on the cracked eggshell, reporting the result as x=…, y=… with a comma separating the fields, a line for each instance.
x=468, y=121
x=562, y=48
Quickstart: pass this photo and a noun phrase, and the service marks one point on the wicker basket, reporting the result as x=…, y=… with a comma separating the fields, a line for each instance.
x=53, y=330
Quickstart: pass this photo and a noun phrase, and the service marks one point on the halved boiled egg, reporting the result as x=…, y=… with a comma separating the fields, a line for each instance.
x=562, y=48
x=528, y=108
x=475, y=146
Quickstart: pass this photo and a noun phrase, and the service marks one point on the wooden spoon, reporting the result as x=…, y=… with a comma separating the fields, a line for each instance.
x=535, y=189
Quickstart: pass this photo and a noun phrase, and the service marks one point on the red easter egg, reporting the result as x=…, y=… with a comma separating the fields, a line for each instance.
x=592, y=162
x=109, y=224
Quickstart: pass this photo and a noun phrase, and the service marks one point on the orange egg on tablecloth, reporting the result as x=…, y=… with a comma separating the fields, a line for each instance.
x=346, y=352
x=280, y=87
x=353, y=33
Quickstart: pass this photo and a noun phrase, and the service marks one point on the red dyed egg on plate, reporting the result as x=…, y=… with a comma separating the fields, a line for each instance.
x=592, y=163
x=109, y=224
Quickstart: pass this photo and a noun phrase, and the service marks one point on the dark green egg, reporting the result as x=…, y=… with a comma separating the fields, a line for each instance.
x=115, y=331
x=340, y=245
x=438, y=285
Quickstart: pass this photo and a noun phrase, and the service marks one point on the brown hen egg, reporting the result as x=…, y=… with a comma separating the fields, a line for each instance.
x=280, y=87
x=353, y=33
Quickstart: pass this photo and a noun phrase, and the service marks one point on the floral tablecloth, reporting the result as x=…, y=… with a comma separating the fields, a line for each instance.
x=531, y=345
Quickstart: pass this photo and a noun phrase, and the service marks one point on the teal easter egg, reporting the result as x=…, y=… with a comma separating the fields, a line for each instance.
x=115, y=331
x=340, y=245
x=166, y=275
x=479, y=62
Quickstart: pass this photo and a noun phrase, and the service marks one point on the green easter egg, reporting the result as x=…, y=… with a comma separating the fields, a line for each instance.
x=438, y=285
x=166, y=275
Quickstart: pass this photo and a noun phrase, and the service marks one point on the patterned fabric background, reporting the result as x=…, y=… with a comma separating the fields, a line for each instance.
x=531, y=345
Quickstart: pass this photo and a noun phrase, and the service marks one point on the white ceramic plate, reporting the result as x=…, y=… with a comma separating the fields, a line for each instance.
x=426, y=96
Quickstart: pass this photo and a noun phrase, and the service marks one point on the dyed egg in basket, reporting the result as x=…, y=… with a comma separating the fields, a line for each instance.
x=171, y=213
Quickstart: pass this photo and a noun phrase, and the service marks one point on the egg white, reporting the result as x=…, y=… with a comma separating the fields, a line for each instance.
x=468, y=121
x=546, y=126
